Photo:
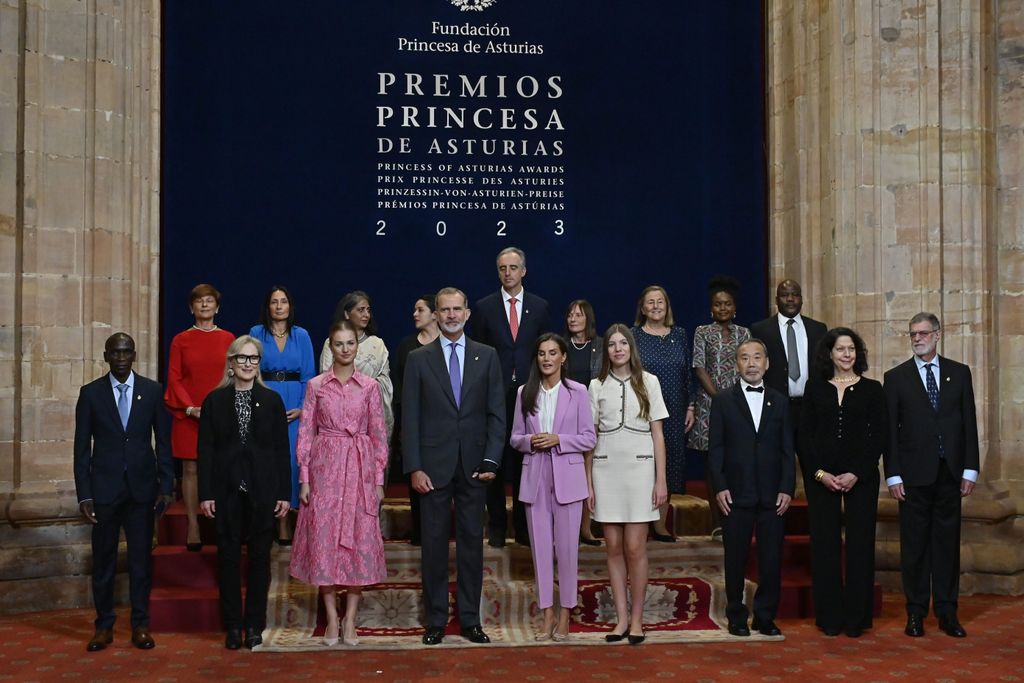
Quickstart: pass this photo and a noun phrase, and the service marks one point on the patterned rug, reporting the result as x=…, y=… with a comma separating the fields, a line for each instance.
x=685, y=602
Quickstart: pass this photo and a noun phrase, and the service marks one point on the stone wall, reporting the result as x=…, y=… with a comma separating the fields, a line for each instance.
x=79, y=257
x=895, y=133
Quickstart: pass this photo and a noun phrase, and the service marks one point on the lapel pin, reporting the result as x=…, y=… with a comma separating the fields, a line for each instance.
x=257, y=404
x=476, y=357
x=526, y=311
x=769, y=404
x=947, y=379
x=139, y=397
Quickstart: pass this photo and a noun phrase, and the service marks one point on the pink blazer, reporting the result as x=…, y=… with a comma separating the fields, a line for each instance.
x=574, y=425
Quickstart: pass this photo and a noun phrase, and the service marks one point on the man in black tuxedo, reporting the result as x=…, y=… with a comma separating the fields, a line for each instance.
x=122, y=482
x=510, y=320
x=791, y=339
x=753, y=472
x=932, y=462
x=453, y=435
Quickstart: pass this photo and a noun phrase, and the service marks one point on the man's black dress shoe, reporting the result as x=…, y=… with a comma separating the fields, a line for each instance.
x=831, y=631
x=141, y=638
x=496, y=541
x=951, y=627
x=433, y=635
x=915, y=626
x=766, y=628
x=475, y=634
x=100, y=640
x=253, y=637
x=854, y=632
x=738, y=629
x=523, y=541
x=233, y=639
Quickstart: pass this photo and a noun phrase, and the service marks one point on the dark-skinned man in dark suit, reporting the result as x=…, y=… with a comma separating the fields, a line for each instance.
x=932, y=462
x=453, y=436
x=791, y=339
x=510, y=320
x=753, y=471
x=122, y=482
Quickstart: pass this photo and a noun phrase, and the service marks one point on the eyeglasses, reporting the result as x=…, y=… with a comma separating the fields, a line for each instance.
x=923, y=335
x=242, y=359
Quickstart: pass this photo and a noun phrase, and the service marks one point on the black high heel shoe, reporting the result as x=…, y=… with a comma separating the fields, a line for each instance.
x=589, y=541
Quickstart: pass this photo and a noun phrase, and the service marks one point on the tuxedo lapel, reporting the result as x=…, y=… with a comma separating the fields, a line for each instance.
x=744, y=407
x=440, y=370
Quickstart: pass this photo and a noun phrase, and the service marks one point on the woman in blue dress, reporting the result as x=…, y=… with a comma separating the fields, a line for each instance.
x=665, y=353
x=286, y=366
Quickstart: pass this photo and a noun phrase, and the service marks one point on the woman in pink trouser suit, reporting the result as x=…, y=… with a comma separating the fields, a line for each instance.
x=553, y=427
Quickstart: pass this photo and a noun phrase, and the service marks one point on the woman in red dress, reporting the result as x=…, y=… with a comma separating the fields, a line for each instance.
x=195, y=366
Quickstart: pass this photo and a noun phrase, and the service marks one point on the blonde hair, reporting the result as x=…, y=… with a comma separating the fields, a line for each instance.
x=235, y=349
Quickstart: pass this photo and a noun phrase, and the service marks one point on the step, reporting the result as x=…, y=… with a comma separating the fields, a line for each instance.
x=185, y=610
x=173, y=566
x=172, y=529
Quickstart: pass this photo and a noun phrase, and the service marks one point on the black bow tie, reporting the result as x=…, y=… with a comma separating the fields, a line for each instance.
x=759, y=389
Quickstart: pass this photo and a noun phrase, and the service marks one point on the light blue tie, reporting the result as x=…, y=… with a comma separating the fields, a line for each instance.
x=124, y=406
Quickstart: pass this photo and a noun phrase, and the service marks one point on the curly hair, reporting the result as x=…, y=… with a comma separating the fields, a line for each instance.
x=823, y=354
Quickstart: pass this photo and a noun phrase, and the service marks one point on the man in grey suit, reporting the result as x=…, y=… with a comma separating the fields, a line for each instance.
x=453, y=434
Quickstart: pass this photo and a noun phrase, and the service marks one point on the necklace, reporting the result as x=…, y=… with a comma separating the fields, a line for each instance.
x=577, y=346
x=279, y=335
x=845, y=380
x=212, y=329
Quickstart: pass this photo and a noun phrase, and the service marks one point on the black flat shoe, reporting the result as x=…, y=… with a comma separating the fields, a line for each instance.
x=664, y=538
x=636, y=640
x=233, y=640
x=193, y=547
x=589, y=541
x=614, y=637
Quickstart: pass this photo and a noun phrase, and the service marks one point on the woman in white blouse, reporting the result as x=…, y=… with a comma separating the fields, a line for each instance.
x=552, y=426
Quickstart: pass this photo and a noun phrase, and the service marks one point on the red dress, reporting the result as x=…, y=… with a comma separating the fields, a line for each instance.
x=194, y=368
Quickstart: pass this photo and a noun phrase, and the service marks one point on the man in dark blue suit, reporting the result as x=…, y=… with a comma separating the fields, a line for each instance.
x=510, y=320
x=753, y=471
x=122, y=482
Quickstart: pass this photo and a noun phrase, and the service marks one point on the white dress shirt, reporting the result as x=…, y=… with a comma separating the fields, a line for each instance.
x=548, y=400
x=796, y=387
x=755, y=401
x=506, y=297
x=969, y=475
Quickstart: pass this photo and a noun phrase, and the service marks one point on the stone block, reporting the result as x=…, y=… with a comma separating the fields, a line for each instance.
x=110, y=87
x=63, y=132
x=61, y=195
x=46, y=459
x=60, y=343
x=8, y=202
x=110, y=195
x=65, y=33
x=62, y=83
x=52, y=251
x=51, y=300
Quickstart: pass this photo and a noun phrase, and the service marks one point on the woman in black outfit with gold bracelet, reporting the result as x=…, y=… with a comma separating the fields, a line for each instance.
x=844, y=429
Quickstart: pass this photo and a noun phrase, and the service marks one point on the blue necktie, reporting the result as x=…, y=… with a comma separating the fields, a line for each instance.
x=124, y=406
x=455, y=374
x=931, y=386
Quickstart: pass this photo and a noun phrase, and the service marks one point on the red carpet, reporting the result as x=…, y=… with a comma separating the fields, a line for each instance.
x=51, y=647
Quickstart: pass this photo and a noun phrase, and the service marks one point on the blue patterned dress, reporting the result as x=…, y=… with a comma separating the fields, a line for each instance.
x=668, y=359
x=296, y=357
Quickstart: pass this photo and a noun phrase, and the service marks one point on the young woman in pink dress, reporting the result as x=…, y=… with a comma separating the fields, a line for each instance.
x=342, y=452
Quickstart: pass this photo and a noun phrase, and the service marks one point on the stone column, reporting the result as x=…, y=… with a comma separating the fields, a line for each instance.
x=79, y=257
x=895, y=130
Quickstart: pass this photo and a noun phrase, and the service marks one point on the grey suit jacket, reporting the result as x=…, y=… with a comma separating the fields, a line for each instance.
x=435, y=432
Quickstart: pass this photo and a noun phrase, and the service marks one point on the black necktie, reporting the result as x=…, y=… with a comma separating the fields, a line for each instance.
x=931, y=386
x=759, y=389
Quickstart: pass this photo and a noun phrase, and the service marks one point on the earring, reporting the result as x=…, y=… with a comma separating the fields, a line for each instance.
x=231, y=372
